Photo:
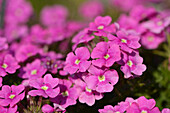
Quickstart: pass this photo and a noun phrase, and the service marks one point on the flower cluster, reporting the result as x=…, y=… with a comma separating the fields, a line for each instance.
x=150, y=24
x=140, y=105
x=102, y=51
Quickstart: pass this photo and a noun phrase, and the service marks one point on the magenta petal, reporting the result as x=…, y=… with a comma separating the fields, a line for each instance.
x=52, y=93
x=112, y=76
x=156, y=110
x=82, y=53
x=91, y=81
x=70, y=69
x=6, y=89
x=17, y=89
x=50, y=80
x=36, y=83
x=2, y=72
x=47, y=109
x=139, y=69
x=5, y=102
x=98, y=62
x=13, y=109
x=15, y=100
x=87, y=98
x=37, y=93
x=84, y=65
x=104, y=87
x=126, y=71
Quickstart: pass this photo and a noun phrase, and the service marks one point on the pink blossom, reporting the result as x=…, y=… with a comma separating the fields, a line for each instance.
x=8, y=64
x=83, y=36
x=91, y=9
x=68, y=95
x=139, y=13
x=3, y=43
x=11, y=95
x=54, y=15
x=143, y=105
x=87, y=95
x=105, y=54
x=34, y=70
x=126, y=40
x=14, y=32
x=9, y=110
x=1, y=81
x=78, y=61
x=18, y=11
x=132, y=64
x=25, y=51
x=166, y=110
x=46, y=87
x=102, y=27
x=101, y=80
x=47, y=109
x=152, y=41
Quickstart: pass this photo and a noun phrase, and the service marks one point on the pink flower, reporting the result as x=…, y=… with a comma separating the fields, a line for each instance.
x=106, y=54
x=3, y=44
x=11, y=95
x=54, y=15
x=34, y=70
x=47, y=109
x=140, y=105
x=102, y=27
x=1, y=81
x=78, y=62
x=13, y=32
x=132, y=64
x=107, y=109
x=9, y=110
x=101, y=80
x=25, y=51
x=166, y=110
x=46, y=36
x=87, y=95
x=157, y=24
x=18, y=11
x=91, y=9
x=47, y=86
x=83, y=36
x=152, y=41
x=8, y=64
x=126, y=40
x=68, y=94
x=140, y=12
x=143, y=105
x=126, y=5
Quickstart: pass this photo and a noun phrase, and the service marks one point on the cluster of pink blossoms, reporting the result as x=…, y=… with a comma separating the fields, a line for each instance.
x=150, y=24
x=88, y=71
x=140, y=105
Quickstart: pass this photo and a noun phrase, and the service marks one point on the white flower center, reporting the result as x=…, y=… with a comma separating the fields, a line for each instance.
x=77, y=61
x=11, y=96
x=143, y=111
x=44, y=87
x=33, y=72
x=88, y=90
x=100, y=27
x=123, y=40
x=106, y=56
x=150, y=38
x=65, y=93
x=101, y=78
x=130, y=63
x=4, y=66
